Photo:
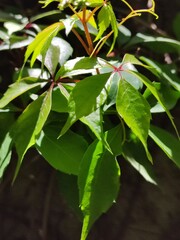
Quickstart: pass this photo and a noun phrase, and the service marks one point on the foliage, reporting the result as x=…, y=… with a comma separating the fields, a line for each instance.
x=83, y=111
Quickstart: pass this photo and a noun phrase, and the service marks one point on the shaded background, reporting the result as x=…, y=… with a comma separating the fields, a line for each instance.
x=35, y=209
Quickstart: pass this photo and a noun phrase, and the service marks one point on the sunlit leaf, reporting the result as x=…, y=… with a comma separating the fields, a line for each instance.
x=103, y=21
x=29, y=125
x=113, y=25
x=98, y=184
x=157, y=95
x=77, y=66
x=58, y=52
x=163, y=72
x=83, y=98
x=167, y=142
x=42, y=42
x=18, y=88
x=5, y=153
x=135, y=111
x=158, y=44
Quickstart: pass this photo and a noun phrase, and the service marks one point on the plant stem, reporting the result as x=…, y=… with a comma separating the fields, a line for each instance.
x=87, y=34
x=81, y=41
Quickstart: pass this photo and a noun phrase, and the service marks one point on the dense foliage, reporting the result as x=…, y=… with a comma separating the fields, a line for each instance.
x=82, y=103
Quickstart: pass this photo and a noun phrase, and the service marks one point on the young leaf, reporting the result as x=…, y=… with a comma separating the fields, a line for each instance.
x=98, y=184
x=18, y=88
x=135, y=111
x=167, y=142
x=42, y=42
x=103, y=21
x=84, y=98
x=113, y=25
x=65, y=153
x=29, y=125
x=94, y=3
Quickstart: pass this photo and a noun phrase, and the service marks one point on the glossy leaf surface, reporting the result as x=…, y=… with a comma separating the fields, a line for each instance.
x=135, y=111
x=65, y=153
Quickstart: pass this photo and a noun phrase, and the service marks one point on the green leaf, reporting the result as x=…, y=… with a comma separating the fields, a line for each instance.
x=58, y=52
x=169, y=95
x=13, y=27
x=98, y=184
x=4, y=17
x=123, y=36
x=29, y=125
x=5, y=153
x=129, y=58
x=84, y=98
x=103, y=21
x=77, y=66
x=44, y=14
x=65, y=153
x=42, y=42
x=163, y=72
x=156, y=94
x=134, y=153
x=158, y=44
x=115, y=138
x=59, y=101
x=113, y=25
x=135, y=111
x=167, y=142
x=94, y=3
x=94, y=122
x=18, y=88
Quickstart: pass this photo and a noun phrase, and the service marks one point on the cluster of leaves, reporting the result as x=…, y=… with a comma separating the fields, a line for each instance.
x=82, y=112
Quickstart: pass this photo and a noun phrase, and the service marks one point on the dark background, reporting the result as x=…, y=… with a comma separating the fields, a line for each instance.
x=34, y=208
